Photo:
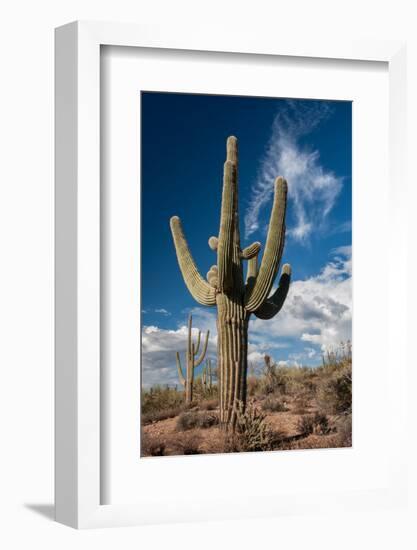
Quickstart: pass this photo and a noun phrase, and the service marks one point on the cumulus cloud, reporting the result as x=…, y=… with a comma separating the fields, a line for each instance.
x=317, y=311
x=312, y=189
x=316, y=317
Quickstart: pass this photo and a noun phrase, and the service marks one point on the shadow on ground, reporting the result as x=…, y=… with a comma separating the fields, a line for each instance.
x=45, y=510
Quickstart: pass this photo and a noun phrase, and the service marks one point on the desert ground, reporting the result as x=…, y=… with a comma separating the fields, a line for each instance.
x=287, y=408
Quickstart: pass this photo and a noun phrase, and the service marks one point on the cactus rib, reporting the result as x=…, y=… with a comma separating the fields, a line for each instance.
x=200, y=290
x=273, y=250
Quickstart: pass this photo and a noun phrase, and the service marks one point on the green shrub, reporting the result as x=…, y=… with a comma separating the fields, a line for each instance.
x=251, y=431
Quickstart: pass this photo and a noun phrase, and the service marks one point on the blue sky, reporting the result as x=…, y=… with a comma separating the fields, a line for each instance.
x=308, y=142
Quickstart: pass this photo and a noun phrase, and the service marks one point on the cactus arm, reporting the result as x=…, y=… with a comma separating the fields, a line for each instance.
x=201, y=291
x=252, y=273
x=274, y=304
x=232, y=156
x=252, y=270
x=197, y=346
x=225, y=244
x=179, y=368
x=251, y=251
x=203, y=351
x=256, y=295
x=193, y=365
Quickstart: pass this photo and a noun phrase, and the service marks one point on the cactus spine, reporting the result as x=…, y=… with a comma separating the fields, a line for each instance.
x=192, y=360
x=225, y=287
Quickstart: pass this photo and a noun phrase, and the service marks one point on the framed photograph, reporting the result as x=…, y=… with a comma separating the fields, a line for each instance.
x=229, y=213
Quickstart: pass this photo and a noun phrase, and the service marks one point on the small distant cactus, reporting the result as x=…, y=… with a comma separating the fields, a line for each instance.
x=237, y=299
x=192, y=360
x=207, y=377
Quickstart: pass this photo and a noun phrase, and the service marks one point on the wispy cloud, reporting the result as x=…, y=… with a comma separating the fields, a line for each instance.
x=163, y=311
x=312, y=190
x=159, y=311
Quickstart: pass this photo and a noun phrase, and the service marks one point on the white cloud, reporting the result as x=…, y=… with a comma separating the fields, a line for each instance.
x=160, y=311
x=160, y=345
x=316, y=316
x=163, y=311
x=317, y=310
x=312, y=190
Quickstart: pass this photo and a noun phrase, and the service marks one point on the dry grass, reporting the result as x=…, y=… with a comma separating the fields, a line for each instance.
x=186, y=444
x=194, y=419
x=274, y=404
x=157, y=416
x=288, y=408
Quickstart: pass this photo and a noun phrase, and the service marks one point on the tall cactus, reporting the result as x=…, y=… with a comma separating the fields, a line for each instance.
x=225, y=287
x=192, y=360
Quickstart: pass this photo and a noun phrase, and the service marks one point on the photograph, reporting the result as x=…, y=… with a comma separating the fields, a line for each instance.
x=246, y=274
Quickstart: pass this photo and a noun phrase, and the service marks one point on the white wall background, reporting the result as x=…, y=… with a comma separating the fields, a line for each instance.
x=26, y=269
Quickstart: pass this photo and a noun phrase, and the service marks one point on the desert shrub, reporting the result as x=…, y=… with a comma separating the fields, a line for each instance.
x=252, y=385
x=274, y=379
x=321, y=424
x=152, y=445
x=157, y=416
x=195, y=419
x=160, y=398
x=251, y=431
x=203, y=392
x=305, y=425
x=186, y=444
x=273, y=404
x=344, y=431
x=334, y=392
x=317, y=423
x=208, y=405
x=301, y=404
x=339, y=356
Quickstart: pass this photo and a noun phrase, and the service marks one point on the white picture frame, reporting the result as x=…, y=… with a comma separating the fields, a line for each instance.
x=78, y=405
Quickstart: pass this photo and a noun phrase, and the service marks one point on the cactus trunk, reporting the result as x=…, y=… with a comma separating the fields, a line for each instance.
x=232, y=344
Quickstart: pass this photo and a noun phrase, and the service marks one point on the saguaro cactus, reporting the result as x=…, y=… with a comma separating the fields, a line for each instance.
x=225, y=287
x=207, y=376
x=192, y=360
